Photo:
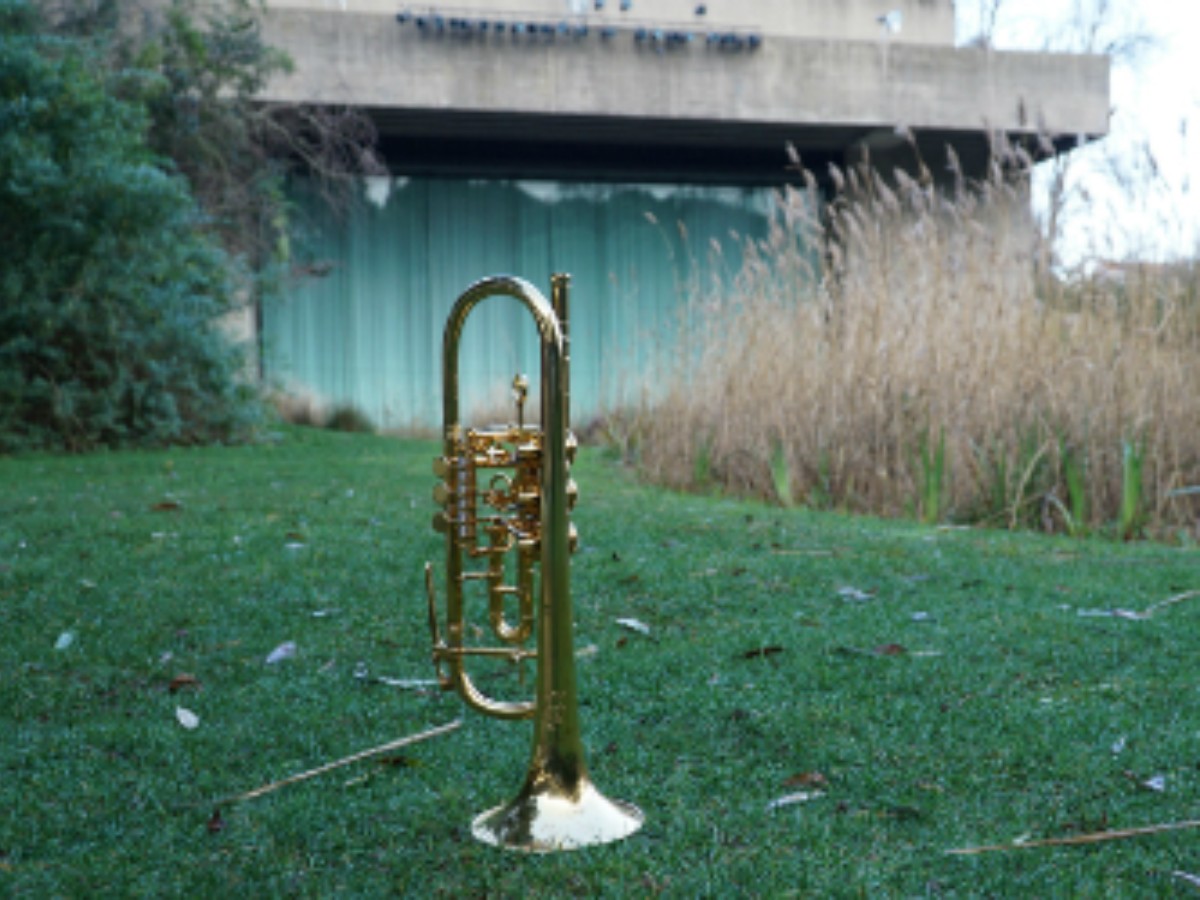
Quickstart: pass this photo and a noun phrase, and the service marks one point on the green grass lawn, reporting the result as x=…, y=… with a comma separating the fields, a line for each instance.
x=958, y=698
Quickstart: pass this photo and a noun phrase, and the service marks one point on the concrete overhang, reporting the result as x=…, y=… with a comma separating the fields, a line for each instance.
x=521, y=107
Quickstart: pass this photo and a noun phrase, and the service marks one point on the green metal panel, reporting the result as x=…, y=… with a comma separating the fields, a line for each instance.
x=369, y=333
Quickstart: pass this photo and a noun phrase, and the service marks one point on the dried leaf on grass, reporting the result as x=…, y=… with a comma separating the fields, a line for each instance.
x=888, y=811
x=882, y=650
x=1155, y=783
x=755, y=652
x=286, y=650
x=793, y=799
x=362, y=673
x=634, y=625
x=406, y=684
x=901, y=813
x=855, y=595
x=183, y=680
x=400, y=761
x=215, y=822
x=807, y=779
x=187, y=718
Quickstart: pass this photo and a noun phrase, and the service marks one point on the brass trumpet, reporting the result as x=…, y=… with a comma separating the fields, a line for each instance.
x=507, y=490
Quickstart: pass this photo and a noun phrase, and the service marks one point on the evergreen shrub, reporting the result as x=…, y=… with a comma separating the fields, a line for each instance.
x=110, y=289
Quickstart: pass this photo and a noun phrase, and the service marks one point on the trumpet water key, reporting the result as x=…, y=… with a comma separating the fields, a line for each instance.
x=505, y=495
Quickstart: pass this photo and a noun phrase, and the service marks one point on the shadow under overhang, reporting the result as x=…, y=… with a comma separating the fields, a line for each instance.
x=454, y=143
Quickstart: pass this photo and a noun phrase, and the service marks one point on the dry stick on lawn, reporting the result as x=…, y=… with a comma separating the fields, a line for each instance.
x=345, y=761
x=1094, y=838
x=1155, y=607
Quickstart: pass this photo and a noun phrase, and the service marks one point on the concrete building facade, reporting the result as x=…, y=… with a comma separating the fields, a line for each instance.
x=626, y=111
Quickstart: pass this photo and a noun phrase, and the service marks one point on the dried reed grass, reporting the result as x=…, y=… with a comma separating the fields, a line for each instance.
x=298, y=405
x=863, y=332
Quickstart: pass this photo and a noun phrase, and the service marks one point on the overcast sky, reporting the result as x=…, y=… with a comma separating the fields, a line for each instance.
x=1152, y=211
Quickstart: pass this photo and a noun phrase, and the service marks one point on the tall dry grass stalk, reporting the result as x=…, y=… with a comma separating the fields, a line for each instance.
x=898, y=326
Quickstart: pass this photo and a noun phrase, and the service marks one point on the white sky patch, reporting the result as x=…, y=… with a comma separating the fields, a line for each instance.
x=379, y=189
x=1134, y=194
x=551, y=192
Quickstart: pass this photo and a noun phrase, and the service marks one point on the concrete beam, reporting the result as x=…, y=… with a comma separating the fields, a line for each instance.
x=821, y=94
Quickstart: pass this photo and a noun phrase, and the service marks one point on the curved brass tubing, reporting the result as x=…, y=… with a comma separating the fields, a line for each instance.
x=558, y=807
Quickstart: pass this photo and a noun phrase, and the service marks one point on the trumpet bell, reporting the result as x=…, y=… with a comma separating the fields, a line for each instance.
x=544, y=818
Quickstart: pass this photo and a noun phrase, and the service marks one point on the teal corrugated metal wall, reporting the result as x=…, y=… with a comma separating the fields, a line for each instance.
x=369, y=332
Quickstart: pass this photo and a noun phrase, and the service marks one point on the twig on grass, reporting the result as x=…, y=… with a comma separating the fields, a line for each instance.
x=1096, y=837
x=1155, y=607
x=1187, y=877
x=345, y=761
x=1144, y=614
